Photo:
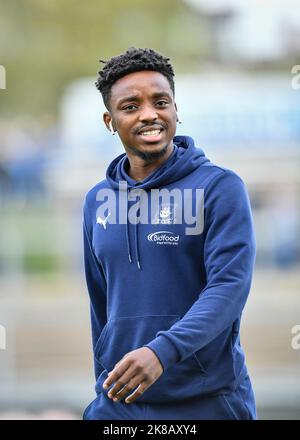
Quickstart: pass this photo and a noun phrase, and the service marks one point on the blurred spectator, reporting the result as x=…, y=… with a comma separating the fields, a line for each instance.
x=25, y=152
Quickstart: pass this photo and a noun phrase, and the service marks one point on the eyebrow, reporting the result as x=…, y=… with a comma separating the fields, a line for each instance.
x=136, y=98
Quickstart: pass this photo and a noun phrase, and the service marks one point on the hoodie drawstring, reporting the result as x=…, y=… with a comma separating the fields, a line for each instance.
x=128, y=245
x=136, y=237
x=127, y=231
x=137, y=246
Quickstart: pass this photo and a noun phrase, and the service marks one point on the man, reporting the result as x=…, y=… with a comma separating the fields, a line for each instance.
x=166, y=298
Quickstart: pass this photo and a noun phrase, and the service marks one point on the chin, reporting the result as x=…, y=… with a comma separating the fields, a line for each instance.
x=150, y=152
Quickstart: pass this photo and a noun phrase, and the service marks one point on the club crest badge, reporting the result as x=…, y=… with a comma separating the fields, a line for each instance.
x=165, y=215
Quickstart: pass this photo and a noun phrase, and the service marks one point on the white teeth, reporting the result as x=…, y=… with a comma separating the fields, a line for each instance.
x=151, y=133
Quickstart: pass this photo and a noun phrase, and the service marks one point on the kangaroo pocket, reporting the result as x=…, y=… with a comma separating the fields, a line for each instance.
x=120, y=335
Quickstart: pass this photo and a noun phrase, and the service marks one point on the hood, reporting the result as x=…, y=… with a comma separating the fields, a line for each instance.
x=184, y=159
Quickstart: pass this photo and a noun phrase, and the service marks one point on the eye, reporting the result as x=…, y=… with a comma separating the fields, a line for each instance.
x=162, y=102
x=128, y=107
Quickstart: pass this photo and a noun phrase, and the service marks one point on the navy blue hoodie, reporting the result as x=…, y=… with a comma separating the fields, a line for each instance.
x=151, y=284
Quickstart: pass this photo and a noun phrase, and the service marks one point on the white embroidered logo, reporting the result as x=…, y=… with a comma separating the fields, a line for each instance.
x=102, y=221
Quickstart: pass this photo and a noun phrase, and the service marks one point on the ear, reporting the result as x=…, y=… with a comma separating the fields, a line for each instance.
x=175, y=106
x=107, y=118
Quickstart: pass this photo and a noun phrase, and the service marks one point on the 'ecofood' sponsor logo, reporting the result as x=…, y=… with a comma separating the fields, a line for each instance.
x=164, y=237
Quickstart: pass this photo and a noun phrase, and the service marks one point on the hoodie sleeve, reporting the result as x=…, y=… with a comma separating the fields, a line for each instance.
x=96, y=285
x=229, y=255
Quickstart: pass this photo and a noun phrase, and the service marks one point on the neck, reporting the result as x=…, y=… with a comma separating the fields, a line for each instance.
x=139, y=168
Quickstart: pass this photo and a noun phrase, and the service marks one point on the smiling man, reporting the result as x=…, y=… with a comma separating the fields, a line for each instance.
x=166, y=304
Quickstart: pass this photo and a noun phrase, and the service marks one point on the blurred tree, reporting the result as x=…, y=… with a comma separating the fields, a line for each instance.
x=46, y=44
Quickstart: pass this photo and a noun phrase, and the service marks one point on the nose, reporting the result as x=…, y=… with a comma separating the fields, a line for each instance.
x=148, y=113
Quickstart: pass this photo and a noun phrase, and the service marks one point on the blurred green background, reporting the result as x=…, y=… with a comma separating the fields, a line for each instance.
x=236, y=96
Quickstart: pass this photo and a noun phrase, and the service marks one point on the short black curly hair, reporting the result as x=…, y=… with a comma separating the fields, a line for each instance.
x=133, y=60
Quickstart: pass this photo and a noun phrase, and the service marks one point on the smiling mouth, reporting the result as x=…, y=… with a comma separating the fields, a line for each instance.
x=151, y=135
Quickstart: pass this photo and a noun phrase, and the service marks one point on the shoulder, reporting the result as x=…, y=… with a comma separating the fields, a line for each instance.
x=90, y=196
x=224, y=185
x=90, y=203
x=222, y=176
x=212, y=176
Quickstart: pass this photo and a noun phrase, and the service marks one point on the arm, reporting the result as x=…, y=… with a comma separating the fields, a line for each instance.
x=96, y=285
x=229, y=254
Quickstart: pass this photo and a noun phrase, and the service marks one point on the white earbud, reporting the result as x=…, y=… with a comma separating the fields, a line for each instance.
x=111, y=127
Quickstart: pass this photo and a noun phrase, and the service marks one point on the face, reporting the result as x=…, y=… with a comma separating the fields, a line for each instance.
x=143, y=111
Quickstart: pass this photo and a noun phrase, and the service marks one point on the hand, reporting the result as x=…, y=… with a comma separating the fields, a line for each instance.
x=140, y=368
